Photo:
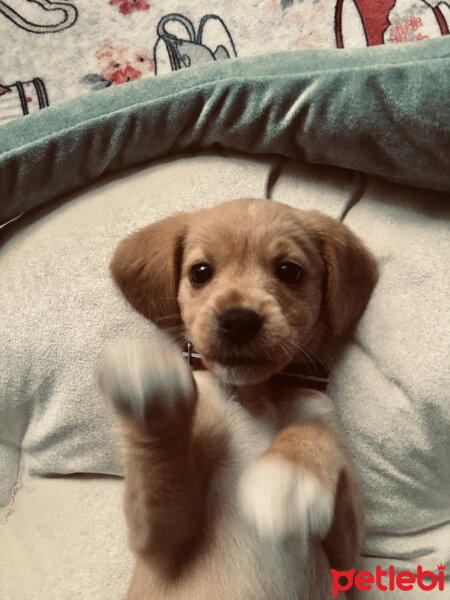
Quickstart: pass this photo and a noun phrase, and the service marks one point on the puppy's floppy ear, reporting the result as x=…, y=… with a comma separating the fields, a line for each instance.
x=146, y=268
x=351, y=271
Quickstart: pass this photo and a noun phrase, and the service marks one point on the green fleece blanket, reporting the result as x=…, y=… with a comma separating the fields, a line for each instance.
x=381, y=110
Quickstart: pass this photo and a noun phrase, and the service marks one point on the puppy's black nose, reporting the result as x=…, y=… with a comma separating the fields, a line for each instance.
x=239, y=325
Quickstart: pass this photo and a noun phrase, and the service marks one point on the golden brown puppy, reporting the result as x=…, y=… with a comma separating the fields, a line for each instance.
x=238, y=483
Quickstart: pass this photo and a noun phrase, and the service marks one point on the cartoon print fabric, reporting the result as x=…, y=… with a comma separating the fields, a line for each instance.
x=51, y=51
x=68, y=16
x=175, y=51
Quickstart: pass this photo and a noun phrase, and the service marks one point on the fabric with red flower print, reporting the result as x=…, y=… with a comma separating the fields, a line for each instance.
x=85, y=45
x=126, y=7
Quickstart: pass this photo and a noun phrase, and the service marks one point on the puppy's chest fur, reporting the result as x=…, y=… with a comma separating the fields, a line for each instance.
x=228, y=440
x=229, y=437
x=235, y=437
x=238, y=436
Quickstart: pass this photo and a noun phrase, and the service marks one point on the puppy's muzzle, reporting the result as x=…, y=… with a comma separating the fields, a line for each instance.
x=239, y=325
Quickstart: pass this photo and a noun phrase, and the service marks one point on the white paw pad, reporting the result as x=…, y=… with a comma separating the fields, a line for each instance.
x=147, y=381
x=280, y=500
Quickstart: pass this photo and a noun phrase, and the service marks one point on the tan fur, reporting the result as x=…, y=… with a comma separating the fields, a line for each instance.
x=195, y=522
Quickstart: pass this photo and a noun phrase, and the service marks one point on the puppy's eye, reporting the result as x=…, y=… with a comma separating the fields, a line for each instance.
x=200, y=274
x=289, y=272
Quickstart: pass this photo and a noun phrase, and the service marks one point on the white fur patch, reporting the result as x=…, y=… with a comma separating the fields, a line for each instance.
x=315, y=407
x=279, y=500
x=146, y=380
x=249, y=436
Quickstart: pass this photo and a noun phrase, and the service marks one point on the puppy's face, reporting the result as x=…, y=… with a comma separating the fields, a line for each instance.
x=250, y=291
x=252, y=283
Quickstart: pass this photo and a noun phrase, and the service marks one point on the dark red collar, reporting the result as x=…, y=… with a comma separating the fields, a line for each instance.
x=314, y=375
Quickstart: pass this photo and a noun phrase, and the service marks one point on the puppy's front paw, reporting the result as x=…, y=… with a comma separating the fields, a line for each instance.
x=148, y=382
x=280, y=500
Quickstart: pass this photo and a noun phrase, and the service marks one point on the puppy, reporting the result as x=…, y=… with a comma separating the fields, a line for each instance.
x=238, y=483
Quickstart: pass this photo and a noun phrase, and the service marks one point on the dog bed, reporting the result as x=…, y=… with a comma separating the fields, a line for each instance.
x=360, y=133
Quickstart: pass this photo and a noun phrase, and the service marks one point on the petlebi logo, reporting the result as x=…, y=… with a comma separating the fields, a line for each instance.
x=388, y=580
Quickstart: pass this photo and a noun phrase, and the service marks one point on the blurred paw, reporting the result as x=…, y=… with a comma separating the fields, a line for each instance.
x=280, y=500
x=148, y=382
